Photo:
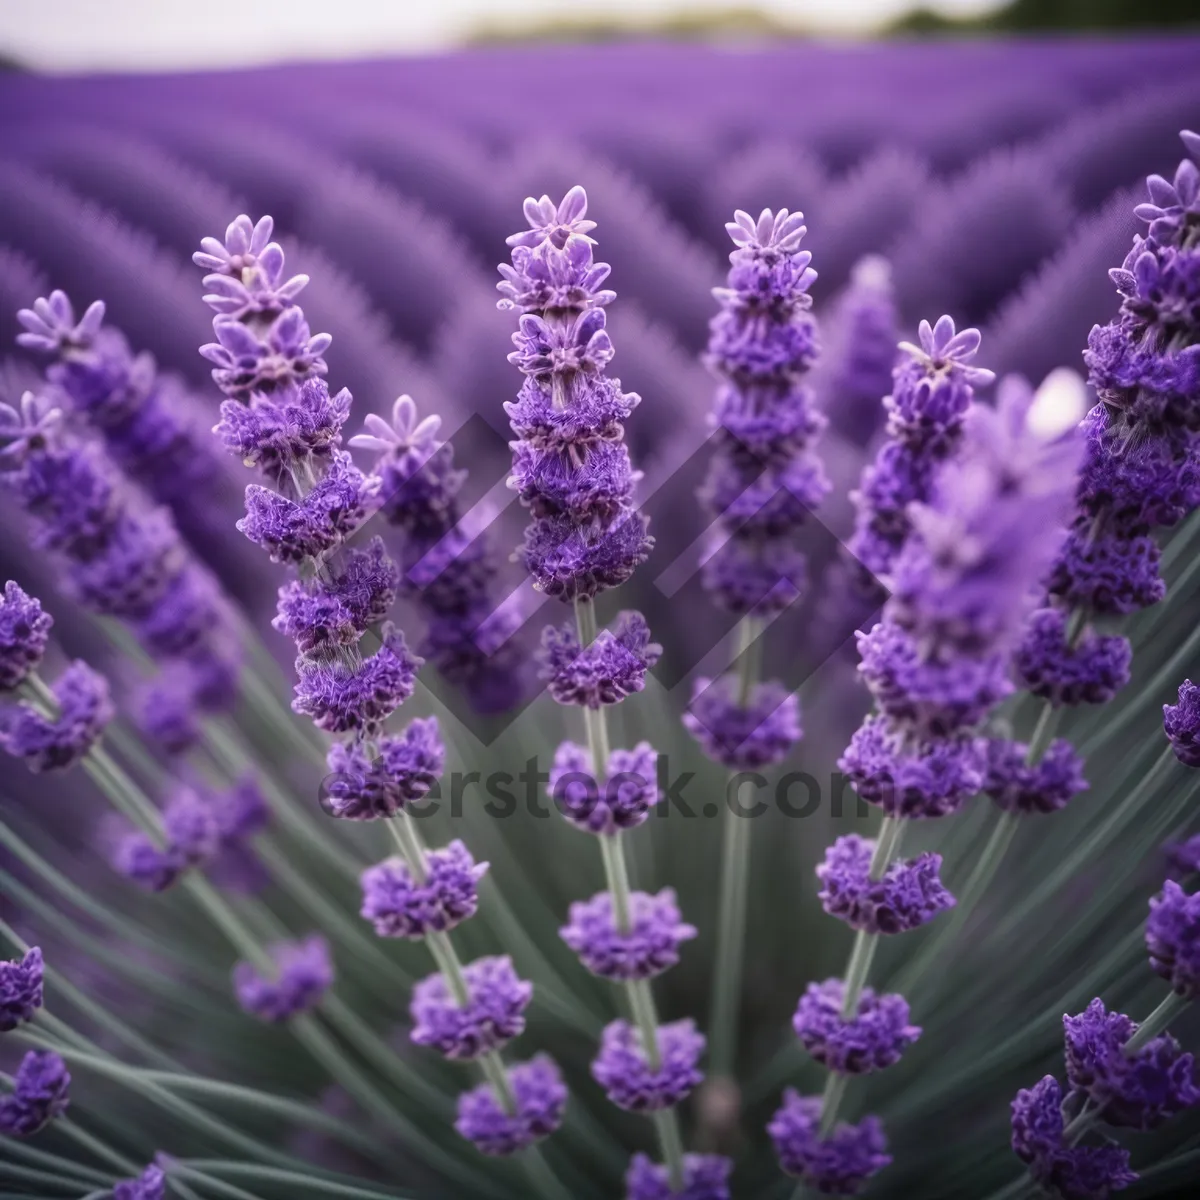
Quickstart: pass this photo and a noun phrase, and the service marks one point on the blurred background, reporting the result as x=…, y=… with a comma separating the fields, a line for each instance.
x=74, y=35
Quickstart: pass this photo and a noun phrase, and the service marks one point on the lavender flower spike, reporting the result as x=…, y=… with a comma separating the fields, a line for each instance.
x=24, y=632
x=39, y=1094
x=586, y=534
x=20, y=989
x=572, y=471
x=303, y=973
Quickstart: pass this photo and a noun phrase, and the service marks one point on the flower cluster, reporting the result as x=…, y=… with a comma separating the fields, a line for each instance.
x=200, y=827
x=765, y=476
x=572, y=471
x=279, y=416
x=123, y=557
x=41, y=1081
x=932, y=388
x=570, y=464
x=1119, y=1073
x=1141, y=471
x=448, y=567
x=149, y=423
x=936, y=665
x=51, y=727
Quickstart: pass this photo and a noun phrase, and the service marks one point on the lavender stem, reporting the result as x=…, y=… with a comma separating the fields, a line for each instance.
x=732, y=890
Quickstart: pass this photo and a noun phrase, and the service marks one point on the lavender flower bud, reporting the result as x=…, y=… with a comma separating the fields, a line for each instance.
x=365, y=786
x=493, y=1014
x=632, y=1082
x=629, y=791
x=39, y=1094
x=1071, y=1172
x=743, y=737
x=541, y=1098
x=570, y=467
x=21, y=986
x=932, y=779
x=1091, y=671
x=151, y=1184
x=325, y=614
x=1182, y=724
x=55, y=743
x=1173, y=939
x=341, y=697
x=705, y=1177
x=873, y=1038
x=649, y=946
x=24, y=633
x=1138, y=1091
x=303, y=973
x=836, y=1164
x=399, y=906
x=908, y=895
x=1046, y=786
x=612, y=667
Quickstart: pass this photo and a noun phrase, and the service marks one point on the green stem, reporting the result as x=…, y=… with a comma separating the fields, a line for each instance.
x=1156, y=1022
x=733, y=888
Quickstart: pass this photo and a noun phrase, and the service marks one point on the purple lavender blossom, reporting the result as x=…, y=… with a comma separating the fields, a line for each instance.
x=125, y=557
x=146, y=420
x=836, y=1164
x=633, y=1081
x=56, y=742
x=1016, y=785
x=1068, y=1171
x=449, y=572
x=369, y=783
x=705, y=1177
x=623, y=799
x=134, y=854
x=1138, y=1091
x=586, y=535
x=1173, y=939
x=341, y=696
x=151, y=1184
x=743, y=737
x=929, y=697
x=764, y=477
x=612, y=667
x=864, y=353
x=39, y=1094
x=24, y=633
x=931, y=780
x=1182, y=724
x=399, y=906
x=1090, y=671
x=1141, y=471
x=21, y=989
x=324, y=614
x=908, y=895
x=649, y=946
x=541, y=1099
x=302, y=974
x=932, y=389
x=493, y=1014
x=873, y=1038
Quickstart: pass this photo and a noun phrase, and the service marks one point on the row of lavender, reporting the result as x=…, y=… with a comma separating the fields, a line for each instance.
x=976, y=545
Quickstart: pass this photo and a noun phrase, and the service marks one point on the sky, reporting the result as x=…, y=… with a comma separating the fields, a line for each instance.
x=73, y=35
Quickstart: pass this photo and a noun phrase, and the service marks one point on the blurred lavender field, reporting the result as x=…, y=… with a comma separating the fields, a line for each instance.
x=995, y=181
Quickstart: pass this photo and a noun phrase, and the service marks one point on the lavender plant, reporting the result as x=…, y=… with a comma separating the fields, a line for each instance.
x=762, y=482
x=936, y=665
x=572, y=471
